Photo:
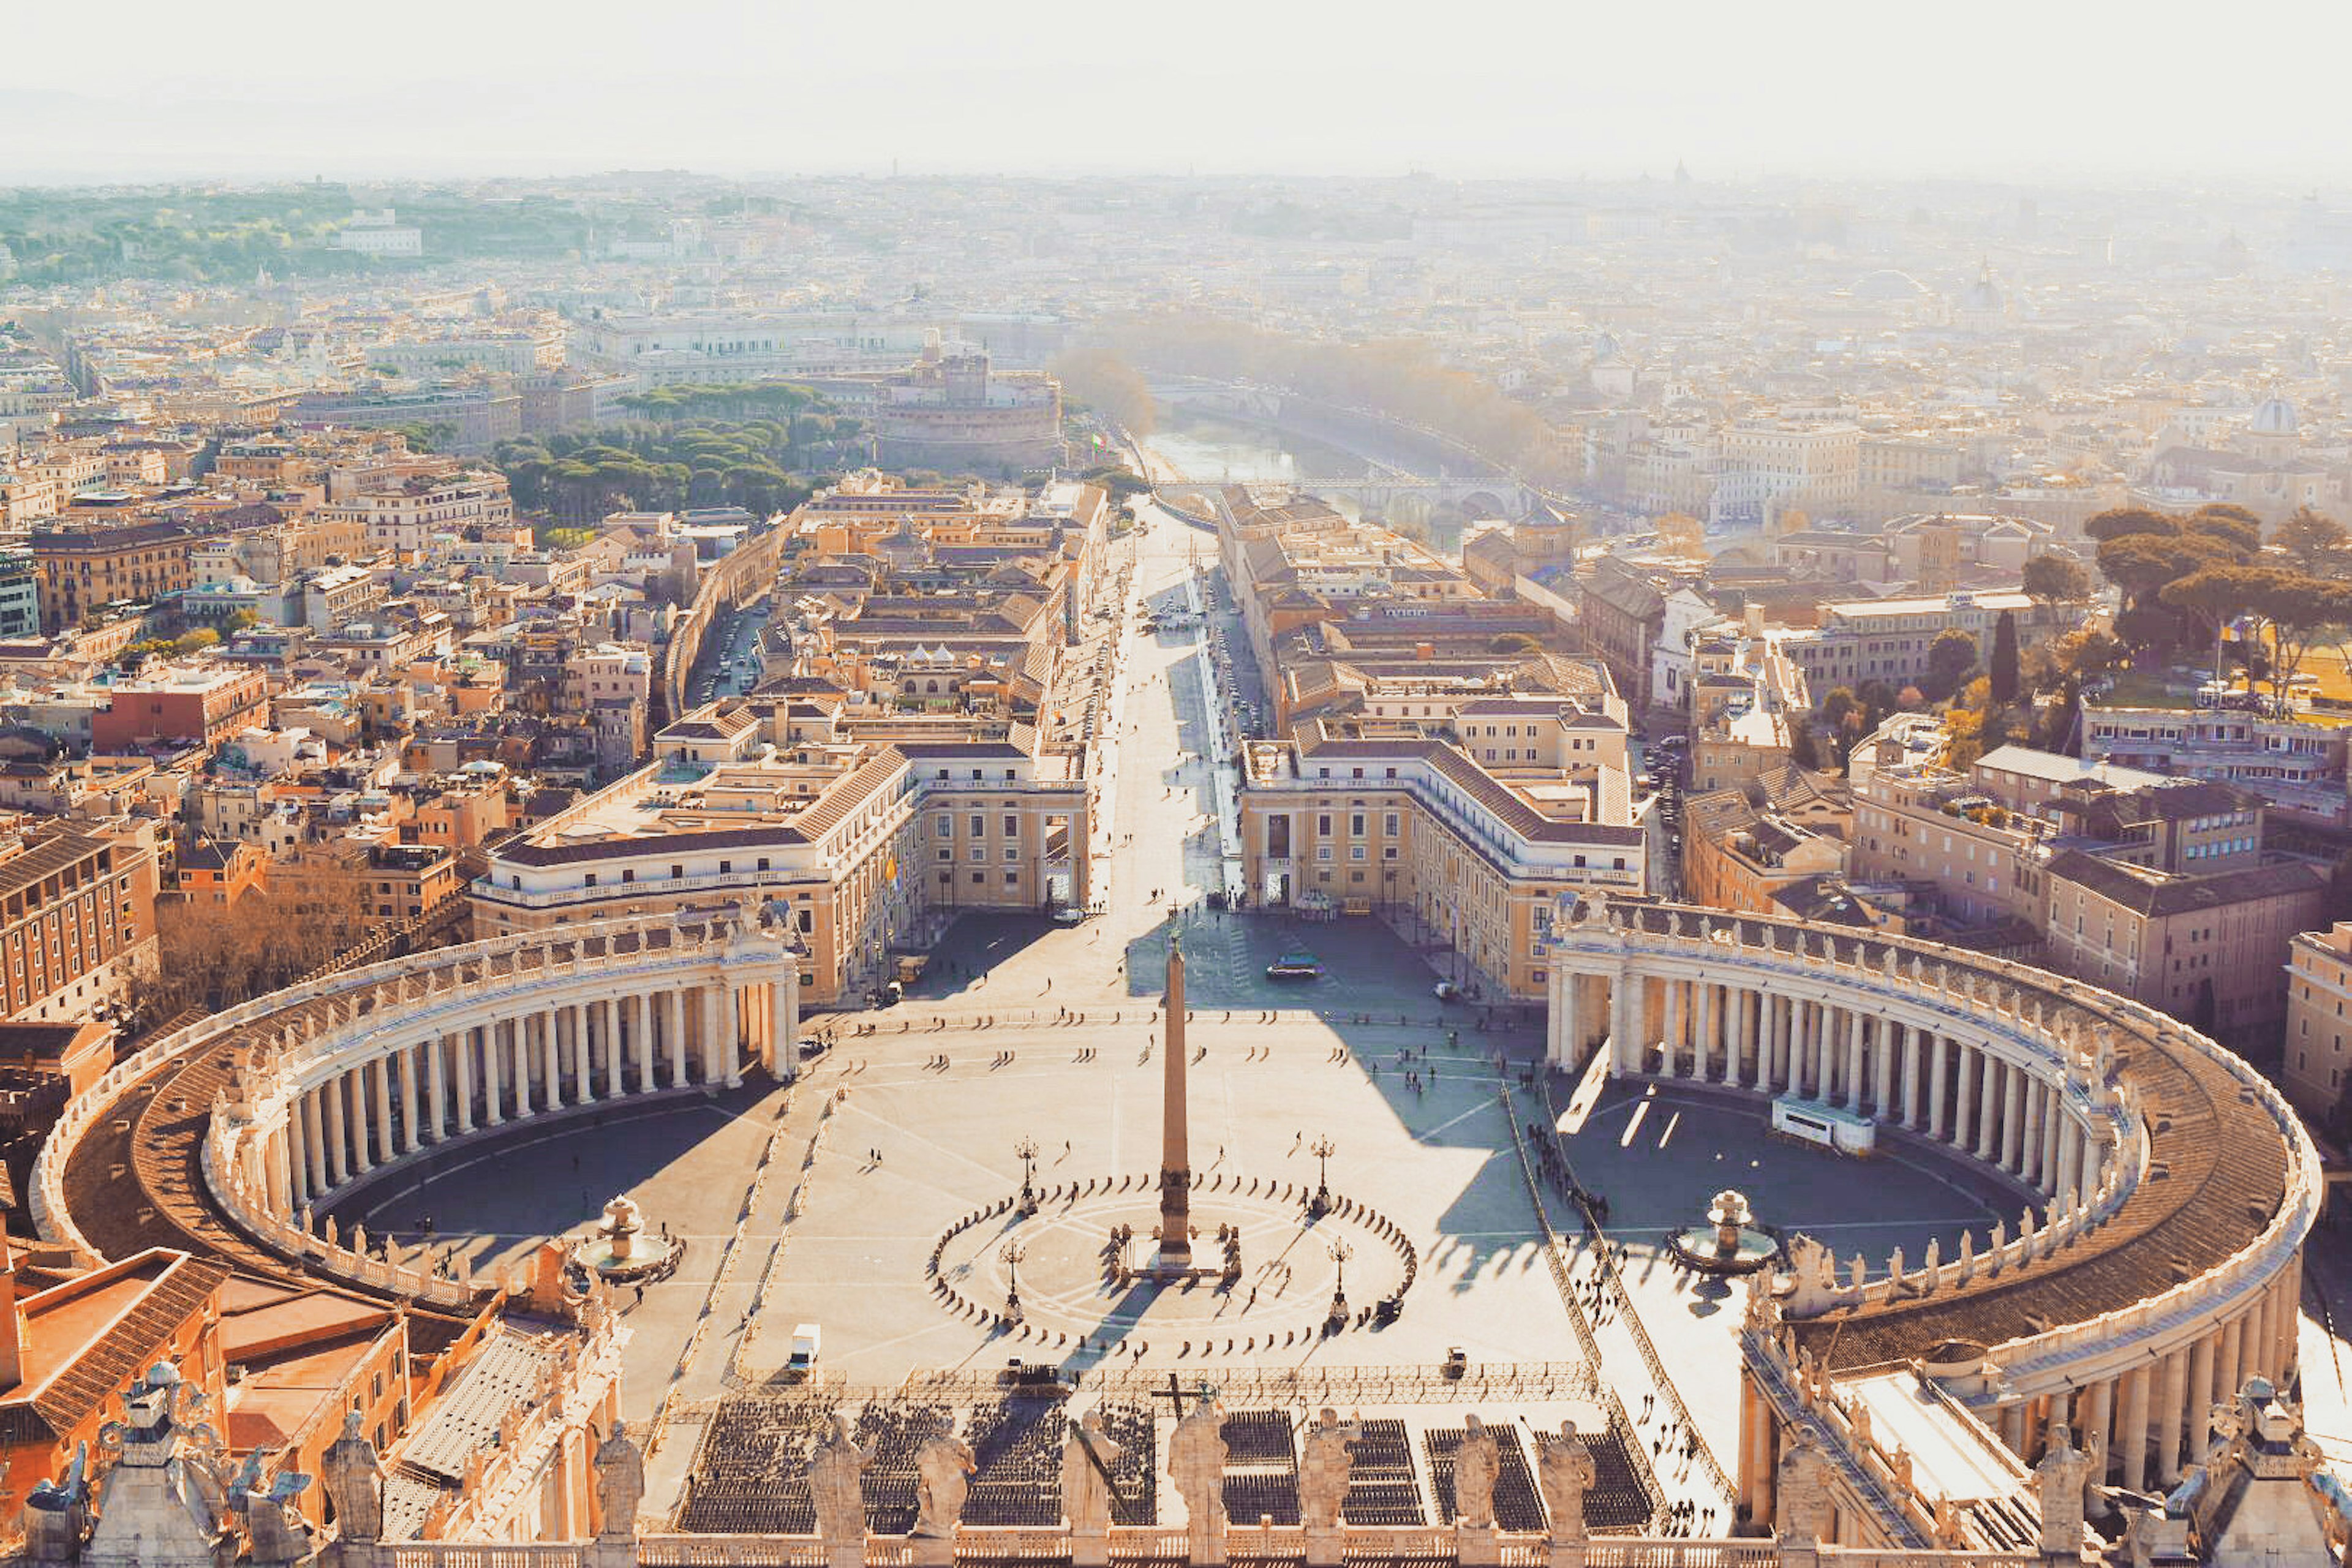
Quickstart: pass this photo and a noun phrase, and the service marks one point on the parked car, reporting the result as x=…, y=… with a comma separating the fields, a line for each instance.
x=1298, y=964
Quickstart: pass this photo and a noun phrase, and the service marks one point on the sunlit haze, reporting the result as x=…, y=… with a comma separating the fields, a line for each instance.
x=1999, y=89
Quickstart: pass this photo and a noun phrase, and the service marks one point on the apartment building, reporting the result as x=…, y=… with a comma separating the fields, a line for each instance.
x=82, y=569
x=204, y=703
x=1745, y=845
x=1771, y=468
x=2295, y=763
x=76, y=919
x=2205, y=947
x=2318, y=1018
x=867, y=835
x=403, y=515
x=1860, y=640
x=1391, y=816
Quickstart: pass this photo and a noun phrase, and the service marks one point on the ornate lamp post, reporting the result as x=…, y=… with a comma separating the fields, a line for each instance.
x=1011, y=1254
x=1322, y=1149
x=1026, y=1151
x=1340, y=1253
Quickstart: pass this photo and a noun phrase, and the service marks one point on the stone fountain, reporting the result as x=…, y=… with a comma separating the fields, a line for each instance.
x=1730, y=1242
x=621, y=1252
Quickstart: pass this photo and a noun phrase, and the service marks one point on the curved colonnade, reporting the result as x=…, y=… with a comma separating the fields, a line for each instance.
x=2166, y=1187
x=332, y=1083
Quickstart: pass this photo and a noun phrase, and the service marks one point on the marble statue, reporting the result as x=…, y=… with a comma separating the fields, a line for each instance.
x=1477, y=1465
x=57, y=1511
x=2058, y=1482
x=943, y=1467
x=1087, y=1454
x=354, y=1477
x=620, y=1484
x=1324, y=1467
x=836, y=1472
x=1803, y=1485
x=1196, y=1464
x=1565, y=1472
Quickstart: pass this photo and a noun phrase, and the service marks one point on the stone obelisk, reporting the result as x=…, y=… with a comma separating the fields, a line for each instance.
x=1175, y=1157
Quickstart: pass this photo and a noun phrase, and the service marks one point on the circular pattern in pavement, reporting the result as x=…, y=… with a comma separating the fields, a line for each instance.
x=1069, y=1297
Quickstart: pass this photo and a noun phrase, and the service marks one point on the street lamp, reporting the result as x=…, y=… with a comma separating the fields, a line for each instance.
x=1011, y=1254
x=1322, y=1149
x=1026, y=1152
x=1340, y=1253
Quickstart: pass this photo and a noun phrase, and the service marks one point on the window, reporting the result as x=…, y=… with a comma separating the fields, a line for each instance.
x=1012, y=827
x=979, y=824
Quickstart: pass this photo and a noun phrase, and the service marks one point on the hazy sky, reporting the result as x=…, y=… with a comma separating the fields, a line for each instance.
x=142, y=89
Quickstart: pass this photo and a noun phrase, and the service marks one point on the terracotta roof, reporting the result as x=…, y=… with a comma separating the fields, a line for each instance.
x=130, y=1343
x=2156, y=895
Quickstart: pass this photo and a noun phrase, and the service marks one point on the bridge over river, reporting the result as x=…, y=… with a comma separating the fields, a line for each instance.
x=1410, y=471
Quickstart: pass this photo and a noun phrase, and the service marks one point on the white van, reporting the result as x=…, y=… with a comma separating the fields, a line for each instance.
x=807, y=1337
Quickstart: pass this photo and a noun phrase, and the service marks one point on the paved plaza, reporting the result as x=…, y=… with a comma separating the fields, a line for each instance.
x=878, y=1197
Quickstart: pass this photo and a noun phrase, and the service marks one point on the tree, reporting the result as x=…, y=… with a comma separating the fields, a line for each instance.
x=2056, y=579
x=2214, y=597
x=1513, y=643
x=1682, y=534
x=2234, y=527
x=1103, y=379
x=2004, y=659
x=1839, y=702
x=2300, y=610
x=2315, y=543
x=2117, y=521
x=1950, y=659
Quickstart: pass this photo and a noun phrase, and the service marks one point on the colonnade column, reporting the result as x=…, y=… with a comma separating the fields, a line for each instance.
x=462, y=1043
x=1988, y=1104
x=1853, y=1055
x=2171, y=1410
x=550, y=1060
x=2201, y=1394
x=2132, y=1434
x=673, y=1030
x=614, y=1085
x=339, y=1146
x=1670, y=1048
x=492, y=1073
x=314, y=1144
x=1936, y=1086
x=411, y=1139
x=730, y=1034
x=380, y=1079
x=2029, y=1160
x=582, y=1078
x=1566, y=1020
x=2012, y=1116
x=1883, y=1095
x=521, y=1027
x=1911, y=1106
x=437, y=1088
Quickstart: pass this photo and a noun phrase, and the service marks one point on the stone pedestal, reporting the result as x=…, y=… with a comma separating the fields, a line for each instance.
x=932, y=1551
x=1090, y=1549
x=1568, y=1554
x=1475, y=1546
x=1324, y=1547
x=845, y=1554
x=1207, y=1545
